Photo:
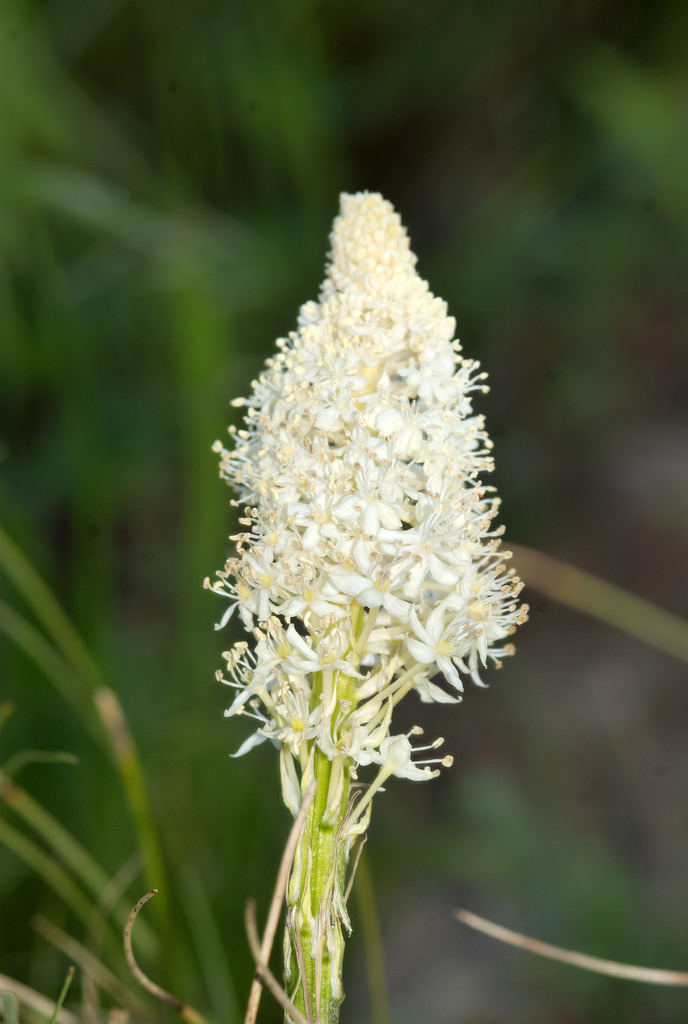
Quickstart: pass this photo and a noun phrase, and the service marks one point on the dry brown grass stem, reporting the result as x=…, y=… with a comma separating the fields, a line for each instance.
x=605, y=602
x=612, y=968
x=263, y=971
x=183, y=1009
x=276, y=904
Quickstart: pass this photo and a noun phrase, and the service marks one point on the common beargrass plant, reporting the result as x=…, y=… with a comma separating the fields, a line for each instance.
x=369, y=565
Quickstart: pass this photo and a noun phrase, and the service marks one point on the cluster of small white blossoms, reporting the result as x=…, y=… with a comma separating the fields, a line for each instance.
x=370, y=565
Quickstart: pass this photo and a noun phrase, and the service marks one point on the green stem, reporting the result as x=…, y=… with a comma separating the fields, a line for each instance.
x=316, y=910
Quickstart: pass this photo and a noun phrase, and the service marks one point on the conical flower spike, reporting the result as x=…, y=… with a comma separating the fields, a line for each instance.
x=370, y=565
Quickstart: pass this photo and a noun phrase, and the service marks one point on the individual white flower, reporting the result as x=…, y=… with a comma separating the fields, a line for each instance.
x=372, y=589
x=439, y=643
x=325, y=656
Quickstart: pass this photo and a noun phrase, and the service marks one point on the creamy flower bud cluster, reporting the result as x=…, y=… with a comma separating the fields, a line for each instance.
x=369, y=564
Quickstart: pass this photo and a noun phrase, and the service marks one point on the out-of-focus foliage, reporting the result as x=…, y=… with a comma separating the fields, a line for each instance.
x=169, y=174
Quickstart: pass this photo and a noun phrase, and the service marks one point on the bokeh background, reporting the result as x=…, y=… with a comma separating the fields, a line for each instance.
x=170, y=171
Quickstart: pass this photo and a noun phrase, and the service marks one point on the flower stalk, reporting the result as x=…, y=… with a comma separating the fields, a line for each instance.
x=316, y=905
x=368, y=566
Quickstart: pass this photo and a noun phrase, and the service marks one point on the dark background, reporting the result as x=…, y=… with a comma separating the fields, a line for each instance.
x=170, y=171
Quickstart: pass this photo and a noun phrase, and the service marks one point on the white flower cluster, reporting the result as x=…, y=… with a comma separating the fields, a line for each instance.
x=370, y=565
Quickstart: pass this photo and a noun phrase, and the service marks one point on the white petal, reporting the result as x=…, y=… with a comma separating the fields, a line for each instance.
x=448, y=670
x=431, y=693
x=388, y=516
x=371, y=521
x=297, y=641
x=435, y=623
x=397, y=608
x=421, y=652
x=225, y=618
x=253, y=741
x=419, y=629
x=350, y=582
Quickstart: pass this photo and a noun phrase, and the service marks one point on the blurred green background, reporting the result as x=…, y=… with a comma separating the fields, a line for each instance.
x=170, y=171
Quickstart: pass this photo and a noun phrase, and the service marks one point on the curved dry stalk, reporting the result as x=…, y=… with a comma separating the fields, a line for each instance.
x=183, y=1009
x=612, y=968
x=24, y=757
x=262, y=969
x=276, y=902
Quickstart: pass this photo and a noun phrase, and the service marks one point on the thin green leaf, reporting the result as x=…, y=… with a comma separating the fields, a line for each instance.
x=62, y=995
x=372, y=941
x=62, y=675
x=209, y=949
x=48, y=611
x=47, y=869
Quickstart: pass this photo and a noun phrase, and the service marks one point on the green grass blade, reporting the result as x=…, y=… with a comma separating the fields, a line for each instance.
x=48, y=869
x=70, y=852
x=47, y=610
x=372, y=941
x=131, y=774
x=78, y=679
x=209, y=950
x=67, y=681
x=28, y=997
x=63, y=994
x=91, y=967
